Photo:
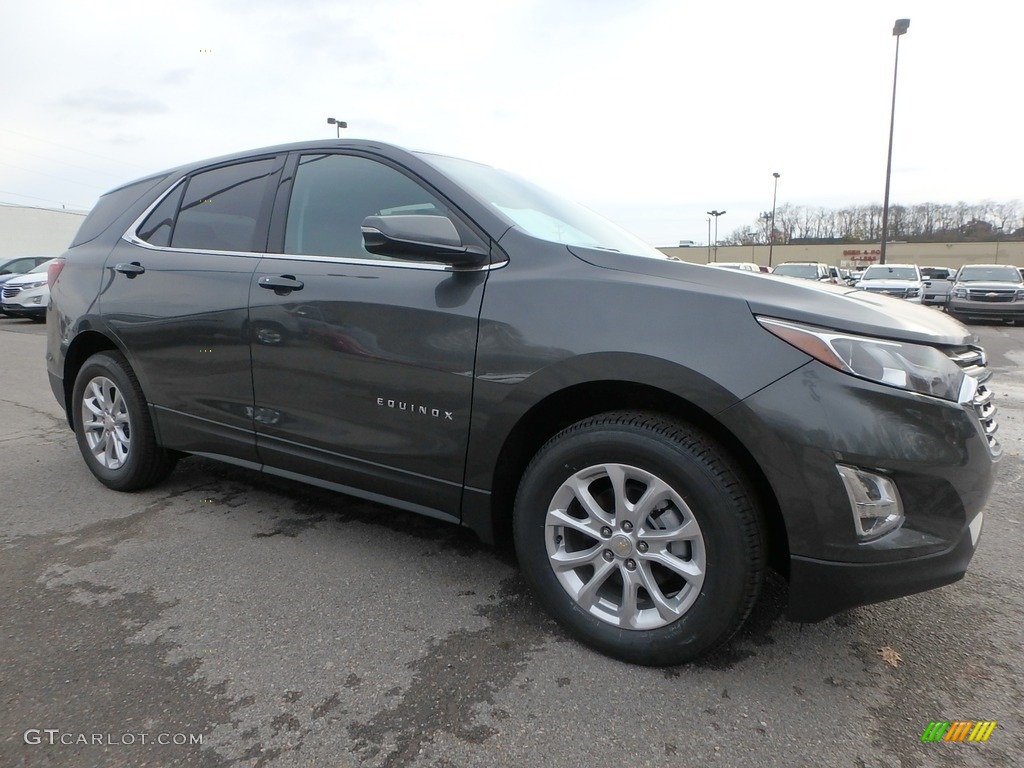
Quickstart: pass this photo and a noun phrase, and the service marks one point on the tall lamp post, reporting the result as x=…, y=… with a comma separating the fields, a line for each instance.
x=709, y=238
x=339, y=123
x=771, y=238
x=898, y=30
x=716, y=214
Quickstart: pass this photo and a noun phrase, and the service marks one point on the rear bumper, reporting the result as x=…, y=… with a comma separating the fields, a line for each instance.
x=820, y=588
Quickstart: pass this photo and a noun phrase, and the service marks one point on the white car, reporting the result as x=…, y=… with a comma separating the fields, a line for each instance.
x=27, y=295
x=900, y=280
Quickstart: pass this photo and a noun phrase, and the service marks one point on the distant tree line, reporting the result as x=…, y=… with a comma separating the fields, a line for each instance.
x=927, y=222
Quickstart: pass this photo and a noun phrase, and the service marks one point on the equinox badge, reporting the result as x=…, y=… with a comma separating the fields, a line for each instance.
x=423, y=410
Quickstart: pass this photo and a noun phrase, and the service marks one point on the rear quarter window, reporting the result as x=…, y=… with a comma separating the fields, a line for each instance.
x=109, y=207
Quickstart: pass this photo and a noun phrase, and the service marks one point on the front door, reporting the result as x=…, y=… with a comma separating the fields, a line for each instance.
x=362, y=364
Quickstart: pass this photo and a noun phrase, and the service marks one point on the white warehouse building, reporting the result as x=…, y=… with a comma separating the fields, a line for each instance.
x=29, y=231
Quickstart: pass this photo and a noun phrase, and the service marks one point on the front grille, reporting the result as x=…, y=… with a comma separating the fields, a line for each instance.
x=972, y=361
x=997, y=295
x=10, y=293
x=898, y=292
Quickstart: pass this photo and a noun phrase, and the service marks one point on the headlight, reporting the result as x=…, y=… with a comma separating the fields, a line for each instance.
x=913, y=367
x=35, y=284
x=913, y=292
x=960, y=293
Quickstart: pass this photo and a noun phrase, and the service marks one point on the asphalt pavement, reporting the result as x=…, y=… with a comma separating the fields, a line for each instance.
x=226, y=618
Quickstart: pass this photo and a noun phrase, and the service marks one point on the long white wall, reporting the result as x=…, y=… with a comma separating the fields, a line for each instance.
x=28, y=231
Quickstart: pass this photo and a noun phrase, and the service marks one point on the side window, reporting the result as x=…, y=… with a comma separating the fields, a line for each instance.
x=221, y=208
x=156, y=229
x=331, y=196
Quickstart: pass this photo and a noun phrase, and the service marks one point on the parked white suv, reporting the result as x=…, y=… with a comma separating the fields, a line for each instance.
x=27, y=295
x=900, y=280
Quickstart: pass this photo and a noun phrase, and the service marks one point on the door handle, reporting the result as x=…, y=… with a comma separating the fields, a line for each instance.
x=281, y=285
x=131, y=270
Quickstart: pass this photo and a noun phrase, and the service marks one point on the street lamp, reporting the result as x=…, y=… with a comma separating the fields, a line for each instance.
x=771, y=239
x=898, y=30
x=339, y=123
x=716, y=214
x=709, y=239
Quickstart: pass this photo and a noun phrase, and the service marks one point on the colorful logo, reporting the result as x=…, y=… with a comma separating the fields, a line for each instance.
x=959, y=730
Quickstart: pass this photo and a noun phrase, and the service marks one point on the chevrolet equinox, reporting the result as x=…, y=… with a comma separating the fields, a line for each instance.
x=444, y=337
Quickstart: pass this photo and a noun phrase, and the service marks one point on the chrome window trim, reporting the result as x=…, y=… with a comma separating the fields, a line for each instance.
x=131, y=236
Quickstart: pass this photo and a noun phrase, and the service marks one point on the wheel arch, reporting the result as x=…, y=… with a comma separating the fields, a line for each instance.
x=84, y=346
x=560, y=409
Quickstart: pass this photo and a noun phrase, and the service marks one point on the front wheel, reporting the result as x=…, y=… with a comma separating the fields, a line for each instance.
x=641, y=536
x=113, y=428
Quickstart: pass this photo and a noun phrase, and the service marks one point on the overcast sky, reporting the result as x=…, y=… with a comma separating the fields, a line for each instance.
x=649, y=111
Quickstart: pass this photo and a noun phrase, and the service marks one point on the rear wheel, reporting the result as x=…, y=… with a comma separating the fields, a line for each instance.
x=641, y=537
x=113, y=428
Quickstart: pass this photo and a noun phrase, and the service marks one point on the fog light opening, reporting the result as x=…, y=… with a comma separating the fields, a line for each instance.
x=874, y=502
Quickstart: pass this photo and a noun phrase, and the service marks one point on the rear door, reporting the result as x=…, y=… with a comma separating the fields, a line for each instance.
x=363, y=364
x=176, y=293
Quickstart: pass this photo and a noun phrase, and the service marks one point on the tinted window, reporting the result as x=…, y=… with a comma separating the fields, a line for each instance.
x=110, y=206
x=156, y=229
x=331, y=196
x=221, y=208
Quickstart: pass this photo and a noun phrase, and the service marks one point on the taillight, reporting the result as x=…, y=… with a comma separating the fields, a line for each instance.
x=53, y=271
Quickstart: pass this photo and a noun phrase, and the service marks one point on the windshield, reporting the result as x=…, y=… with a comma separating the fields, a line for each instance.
x=797, y=270
x=41, y=268
x=989, y=274
x=880, y=272
x=538, y=212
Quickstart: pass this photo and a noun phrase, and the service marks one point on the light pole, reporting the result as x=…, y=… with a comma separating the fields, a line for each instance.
x=771, y=238
x=765, y=217
x=716, y=214
x=709, y=239
x=898, y=30
x=339, y=123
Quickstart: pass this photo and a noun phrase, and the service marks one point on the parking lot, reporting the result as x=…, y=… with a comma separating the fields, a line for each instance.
x=281, y=625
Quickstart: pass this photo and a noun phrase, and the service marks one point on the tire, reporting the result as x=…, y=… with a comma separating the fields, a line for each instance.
x=113, y=426
x=658, y=572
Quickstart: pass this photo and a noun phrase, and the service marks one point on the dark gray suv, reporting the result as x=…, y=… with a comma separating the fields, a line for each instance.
x=447, y=338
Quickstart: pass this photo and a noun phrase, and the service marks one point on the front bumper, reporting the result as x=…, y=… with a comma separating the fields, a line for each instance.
x=934, y=298
x=998, y=310
x=23, y=310
x=936, y=452
x=825, y=588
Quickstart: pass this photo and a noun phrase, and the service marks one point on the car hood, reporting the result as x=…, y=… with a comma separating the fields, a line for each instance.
x=806, y=301
x=886, y=285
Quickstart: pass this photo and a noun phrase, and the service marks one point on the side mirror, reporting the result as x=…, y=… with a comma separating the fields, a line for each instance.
x=422, y=238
